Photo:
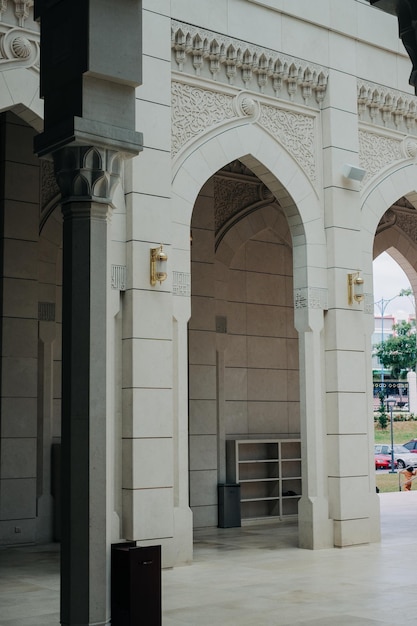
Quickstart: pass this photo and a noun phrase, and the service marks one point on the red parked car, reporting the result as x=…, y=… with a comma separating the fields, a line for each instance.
x=383, y=461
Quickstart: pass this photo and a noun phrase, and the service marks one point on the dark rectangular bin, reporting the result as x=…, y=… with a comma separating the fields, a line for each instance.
x=229, y=506
x=135, y=585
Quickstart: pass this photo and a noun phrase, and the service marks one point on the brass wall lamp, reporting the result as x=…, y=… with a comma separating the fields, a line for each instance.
x=158, y=259
x=355, y=288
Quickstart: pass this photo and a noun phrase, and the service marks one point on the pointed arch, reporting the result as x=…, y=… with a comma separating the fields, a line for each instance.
x=278, y=171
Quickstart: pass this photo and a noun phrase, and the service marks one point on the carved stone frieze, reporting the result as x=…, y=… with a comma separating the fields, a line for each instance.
x=16, y=10
x=195, y=110
x=377, y=151
x=296, y=132
x=403, y=217
x=19, y=35
x=407, y=222
x=387, y=107
x=201, y=52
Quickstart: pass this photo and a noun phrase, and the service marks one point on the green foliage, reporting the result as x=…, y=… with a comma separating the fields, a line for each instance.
x=382, y=416
x=399, y=352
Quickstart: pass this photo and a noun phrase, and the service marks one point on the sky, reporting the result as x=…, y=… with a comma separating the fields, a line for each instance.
x=389, y=279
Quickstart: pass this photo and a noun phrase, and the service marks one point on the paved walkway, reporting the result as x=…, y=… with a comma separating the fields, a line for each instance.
x=253, y=576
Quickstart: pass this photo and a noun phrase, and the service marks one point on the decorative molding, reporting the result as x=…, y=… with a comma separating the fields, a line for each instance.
x=387, y=220
x=377, y=151
x=407, y=222
x=181, y=284
x=19, y=35
x=195, y=110
x=48, y=188
x=87, y=172
x=311, y=298
x=46, y=311
x=296, y=132
x=22, y=10
x=18, y=48
x=387, y=107
x=201, y=52
x=368, y=304
x=231, y=196
x=118, y=277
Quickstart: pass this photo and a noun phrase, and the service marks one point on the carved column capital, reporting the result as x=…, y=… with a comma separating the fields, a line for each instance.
x=88, y=173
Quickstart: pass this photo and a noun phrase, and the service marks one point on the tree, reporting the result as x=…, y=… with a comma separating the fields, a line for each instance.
x=399, y=352
x=382, y=415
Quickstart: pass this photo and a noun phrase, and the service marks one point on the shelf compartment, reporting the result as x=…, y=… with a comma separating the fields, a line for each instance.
x=290, y=469
x=258, y=470
x=290, y=449
x=259, y=490
x=290, y=506
x=258, y=451
x=291, y=487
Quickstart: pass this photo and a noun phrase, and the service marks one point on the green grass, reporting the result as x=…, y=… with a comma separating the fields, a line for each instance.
x=402, y=432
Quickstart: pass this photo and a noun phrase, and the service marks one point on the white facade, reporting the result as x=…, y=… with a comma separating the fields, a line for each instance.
x=250, y=109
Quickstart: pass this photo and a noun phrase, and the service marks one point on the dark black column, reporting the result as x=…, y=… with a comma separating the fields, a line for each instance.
x=84, y=175
x=90, y=66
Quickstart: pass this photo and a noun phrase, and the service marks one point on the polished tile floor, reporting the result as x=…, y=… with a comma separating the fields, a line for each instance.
x=253, y=576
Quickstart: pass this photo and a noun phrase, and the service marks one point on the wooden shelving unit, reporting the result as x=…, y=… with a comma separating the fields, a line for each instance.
x=269, y=474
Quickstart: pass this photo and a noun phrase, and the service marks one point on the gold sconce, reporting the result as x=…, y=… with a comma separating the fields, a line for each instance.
x=158, y=258
x=355, y=288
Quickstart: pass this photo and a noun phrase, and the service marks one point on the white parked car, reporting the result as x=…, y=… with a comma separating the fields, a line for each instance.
x=403, y=456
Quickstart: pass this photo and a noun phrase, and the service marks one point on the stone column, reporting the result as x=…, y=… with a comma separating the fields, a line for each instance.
x=412, y=392
x=353, y=503
x=315, y=527
x=86, y=177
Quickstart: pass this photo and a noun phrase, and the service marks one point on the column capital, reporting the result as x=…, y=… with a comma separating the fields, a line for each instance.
x=87, y=173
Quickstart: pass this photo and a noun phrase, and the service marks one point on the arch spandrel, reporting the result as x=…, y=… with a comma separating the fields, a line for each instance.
x=278, y=171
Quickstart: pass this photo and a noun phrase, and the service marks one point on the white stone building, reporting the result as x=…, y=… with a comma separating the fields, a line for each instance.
x=250, y=112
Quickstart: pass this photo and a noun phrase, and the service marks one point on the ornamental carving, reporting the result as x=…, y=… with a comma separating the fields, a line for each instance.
x=18, y=48
x=403, y=216
x=387, y=220
x=311, y=298
x=19, y=35
x=87, y=172
x=195, y=110
x=296, y=133
x=49, y=188
x=201, y=52
x=386, y=107
x=408, y=224
x=22, y=9
x=231, y=196
x=377, y=151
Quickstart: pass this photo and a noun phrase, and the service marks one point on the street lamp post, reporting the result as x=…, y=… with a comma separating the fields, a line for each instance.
x=390, y=404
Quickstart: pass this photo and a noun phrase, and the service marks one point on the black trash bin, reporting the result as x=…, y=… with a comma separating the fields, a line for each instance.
x=135, y=585
x=229, y=506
